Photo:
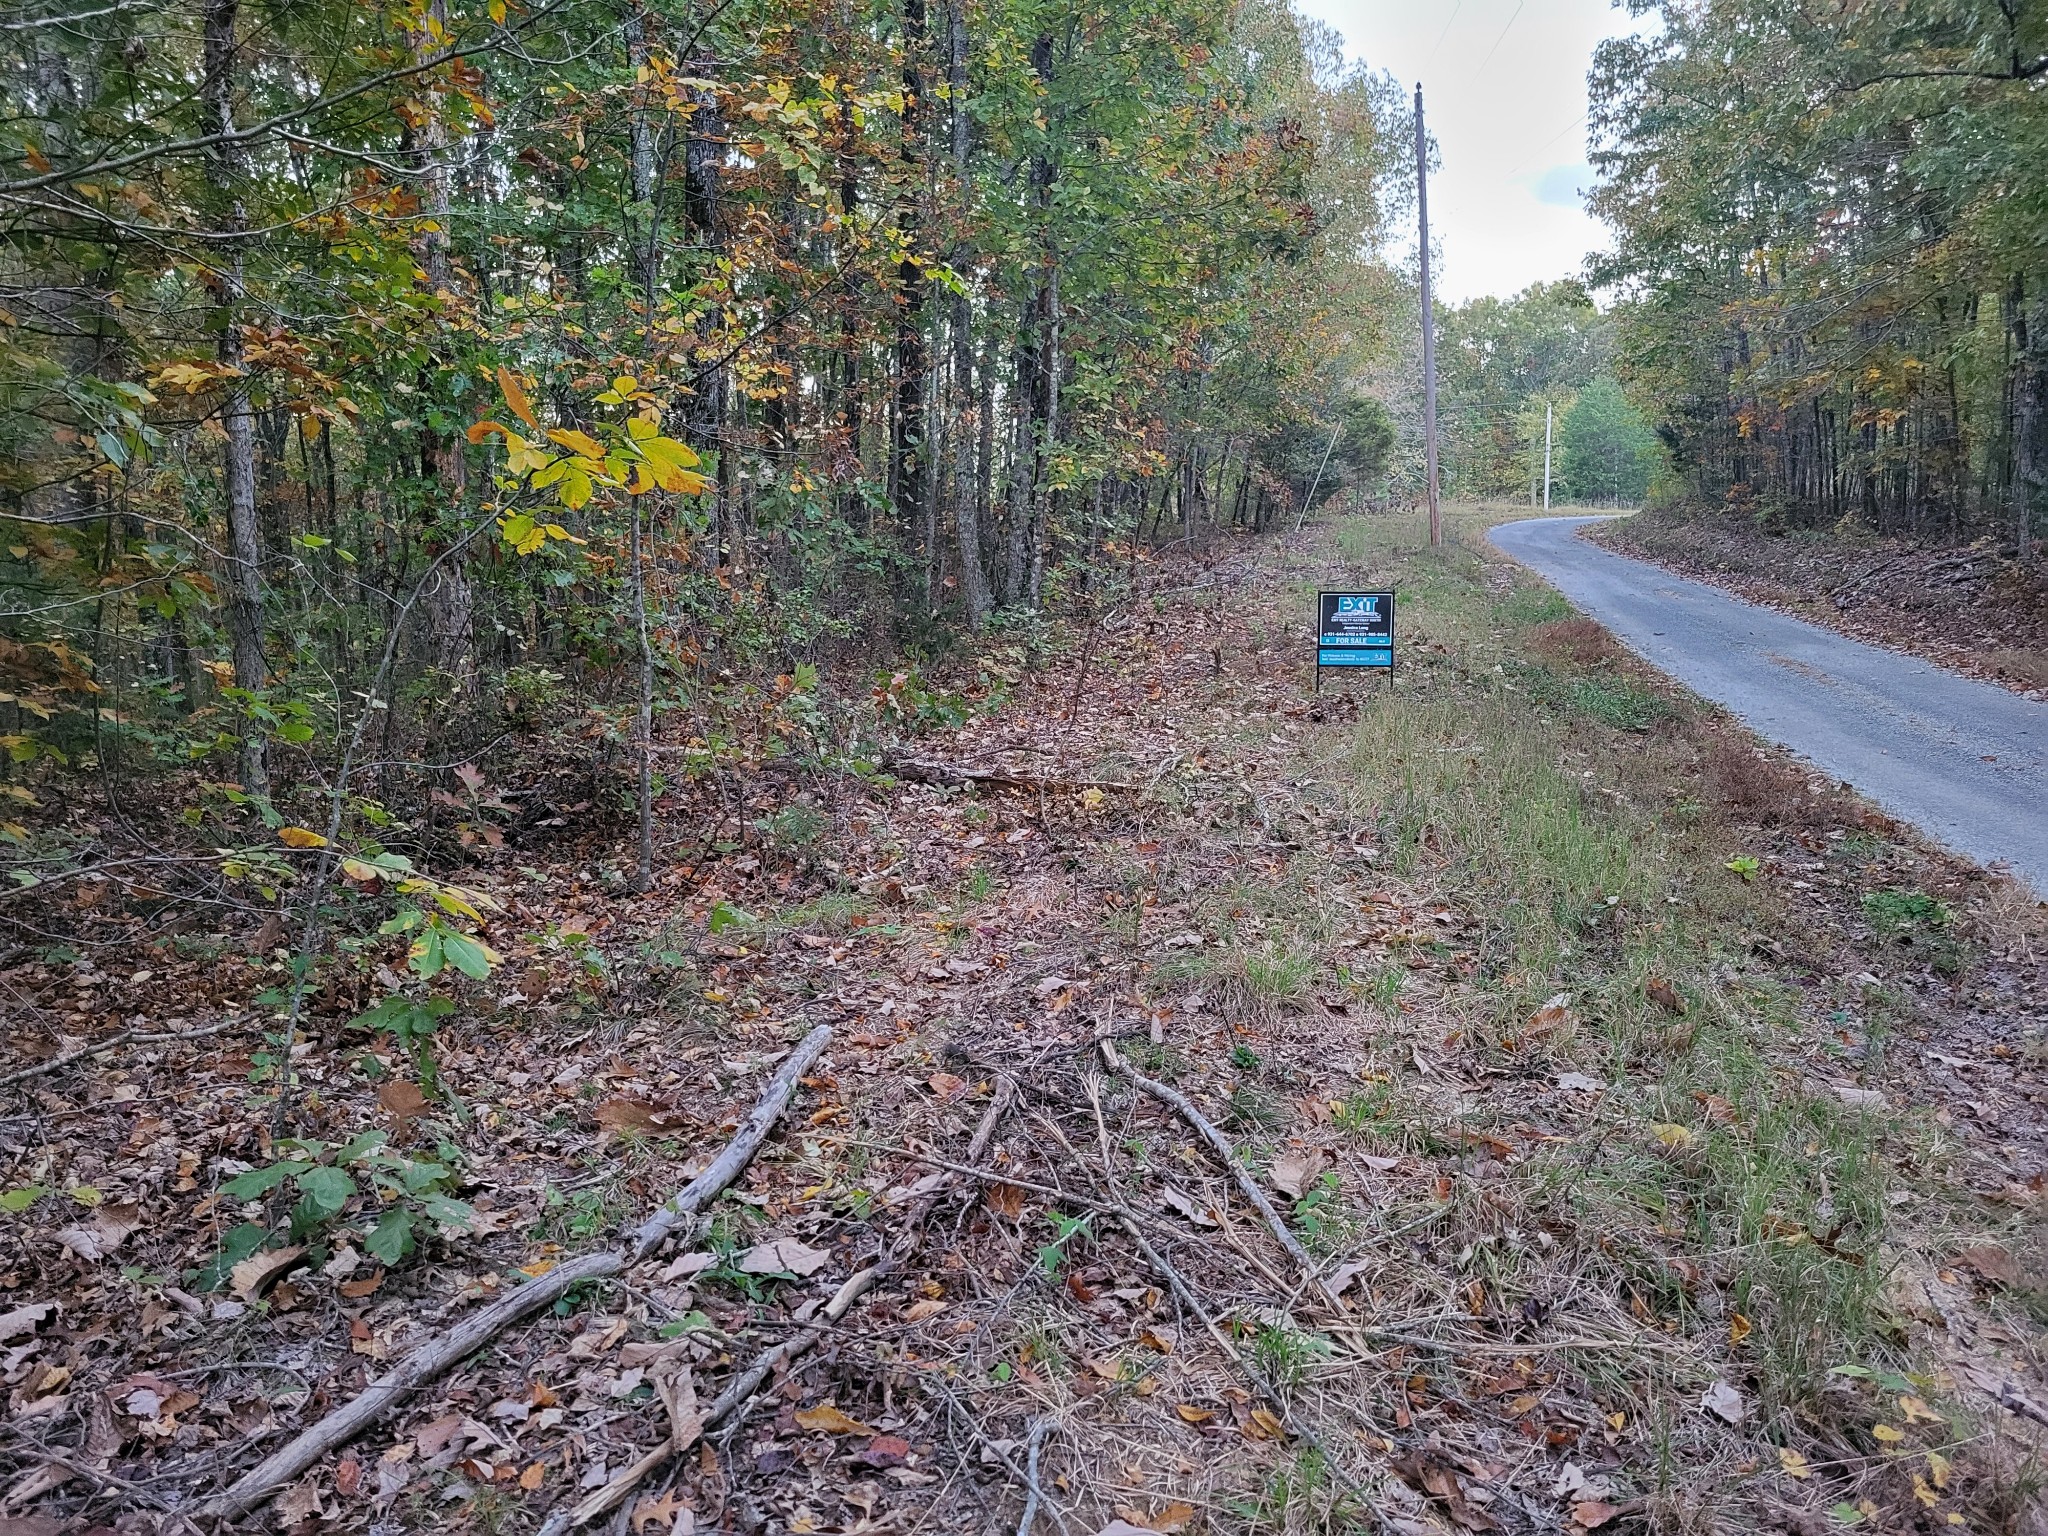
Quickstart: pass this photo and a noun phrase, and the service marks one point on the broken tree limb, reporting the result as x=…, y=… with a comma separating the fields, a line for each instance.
x=441, y=1353
x=734, y=1399
x=1226, y=1154
x=926, y=771
x=125, y=1037
x=703, y=1189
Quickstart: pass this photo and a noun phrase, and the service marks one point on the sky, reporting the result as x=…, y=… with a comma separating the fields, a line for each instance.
x=1504, y=94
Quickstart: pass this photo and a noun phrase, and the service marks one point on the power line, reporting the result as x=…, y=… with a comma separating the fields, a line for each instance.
x=1447, y=28
x=1501, y=39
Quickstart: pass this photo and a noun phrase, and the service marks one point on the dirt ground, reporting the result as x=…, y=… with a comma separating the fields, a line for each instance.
x=1651, y=1138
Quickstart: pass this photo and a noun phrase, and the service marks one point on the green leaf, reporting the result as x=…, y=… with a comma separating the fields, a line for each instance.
x=391, y=1239
x=258, y=1181
x=16, y=1200
x=448, y=1212
x=326, y=1190
x=467, y=955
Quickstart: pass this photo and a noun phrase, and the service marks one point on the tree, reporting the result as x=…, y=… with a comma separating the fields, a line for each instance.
x=1609, y=454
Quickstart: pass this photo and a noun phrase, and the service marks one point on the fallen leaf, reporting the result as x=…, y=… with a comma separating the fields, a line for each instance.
x=684, y=1266
x=356, y=1290
x=1005, y=1200
x=1191, y=1414
x=1187, y=1205
x=1739, y=1328
x=1991, y=1262
x=663, y=1514
x=920, y=1310
x=1124, y=1528
x=1917, y=1411
x=1340, y=1280
x=1295, y=1173
x=1888, y=1435
x=1664, y=995
x=432, y=1439
x=784, y=1255
x=24, y=1319
x=402, y=1101
x=1592, y=1513
x=827, y=1419
x=257, y=1273
x=1264, y=1424
x=614, y=1116
x=1671, y=1135
x=946, y=1086
x=1552, y=1015
x=1578, y=1082
x=1792, y=1464
x=882, y=1451
x=1152, y=1339
x=532, y=1477
x=1177, y=1516
x=1724, y=1402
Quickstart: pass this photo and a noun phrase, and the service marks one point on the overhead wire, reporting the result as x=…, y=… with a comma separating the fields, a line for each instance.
x=1501, y=39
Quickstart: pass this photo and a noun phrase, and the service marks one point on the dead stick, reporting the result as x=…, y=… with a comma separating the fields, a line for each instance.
x=465, y=1338
x=1227, y=1154
x=123, y=1038
x=734, y=1398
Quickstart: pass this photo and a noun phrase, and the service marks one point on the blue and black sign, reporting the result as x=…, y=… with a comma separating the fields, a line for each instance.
x=1354, y=629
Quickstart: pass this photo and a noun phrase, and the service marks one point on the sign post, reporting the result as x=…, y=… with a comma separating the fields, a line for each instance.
x=1354, y=629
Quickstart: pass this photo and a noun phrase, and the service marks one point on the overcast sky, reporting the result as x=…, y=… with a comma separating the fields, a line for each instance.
x=1504, y=93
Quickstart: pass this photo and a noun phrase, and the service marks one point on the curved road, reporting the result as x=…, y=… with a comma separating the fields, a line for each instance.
x=1963, y=761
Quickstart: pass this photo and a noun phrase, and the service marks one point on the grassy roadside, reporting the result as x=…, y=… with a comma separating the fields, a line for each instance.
x=1631, y=1049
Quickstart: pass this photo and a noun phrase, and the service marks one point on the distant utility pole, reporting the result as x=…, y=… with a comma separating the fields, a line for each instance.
x=1546, y=455
x=1436, y=527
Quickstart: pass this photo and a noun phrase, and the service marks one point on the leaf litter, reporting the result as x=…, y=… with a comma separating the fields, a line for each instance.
x=1315, y=984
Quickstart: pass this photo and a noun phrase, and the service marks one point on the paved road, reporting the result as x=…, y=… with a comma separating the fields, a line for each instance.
x=1965, y=762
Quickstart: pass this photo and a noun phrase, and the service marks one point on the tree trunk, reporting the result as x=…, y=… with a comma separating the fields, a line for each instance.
x=2030, y=424
x=244, y=556
x=966, y=501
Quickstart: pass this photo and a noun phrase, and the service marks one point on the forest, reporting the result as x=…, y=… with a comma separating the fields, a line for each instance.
x=1828, y=258
x=377, y=381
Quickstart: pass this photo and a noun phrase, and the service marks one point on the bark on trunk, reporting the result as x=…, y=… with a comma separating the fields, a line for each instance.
x=2030, y=420
x=244, y=555
x=974, y=590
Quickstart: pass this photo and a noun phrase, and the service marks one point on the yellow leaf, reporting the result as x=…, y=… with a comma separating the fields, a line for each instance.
x=497, y=11
x=1887, y=1434
x=514, y=391
x=356, y=869
x=1193, y=1415
x=1938, y=1468
x=1739, y=1328
x=480, y=430
x=299, y=837
x=1793, y=1464
x=1265, y=1425
x=1917, y=1412
x=830, y=1420
x=1671, y=1135
x=1617, y=1420
x=1923, y=1493
x=577, y=442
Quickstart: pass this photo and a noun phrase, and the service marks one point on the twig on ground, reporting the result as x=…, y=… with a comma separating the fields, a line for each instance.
x=1031, y=1488
x=465, y=1338
x=125, y=1037
x=1227, y=1155
x=925, y=771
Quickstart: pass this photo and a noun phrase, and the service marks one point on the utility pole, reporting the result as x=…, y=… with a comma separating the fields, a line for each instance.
x=1436, y=527
x=1546, y=455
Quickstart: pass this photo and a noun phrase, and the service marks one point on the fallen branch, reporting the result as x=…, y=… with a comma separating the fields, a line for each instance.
x=1220, y=1145
x=926, y=771
x=1032, y=1491
x=732, y=1402
x=125, y=1037
x=465, y=1338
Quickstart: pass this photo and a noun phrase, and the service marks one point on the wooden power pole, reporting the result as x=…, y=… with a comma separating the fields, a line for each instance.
x=1436, y=526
